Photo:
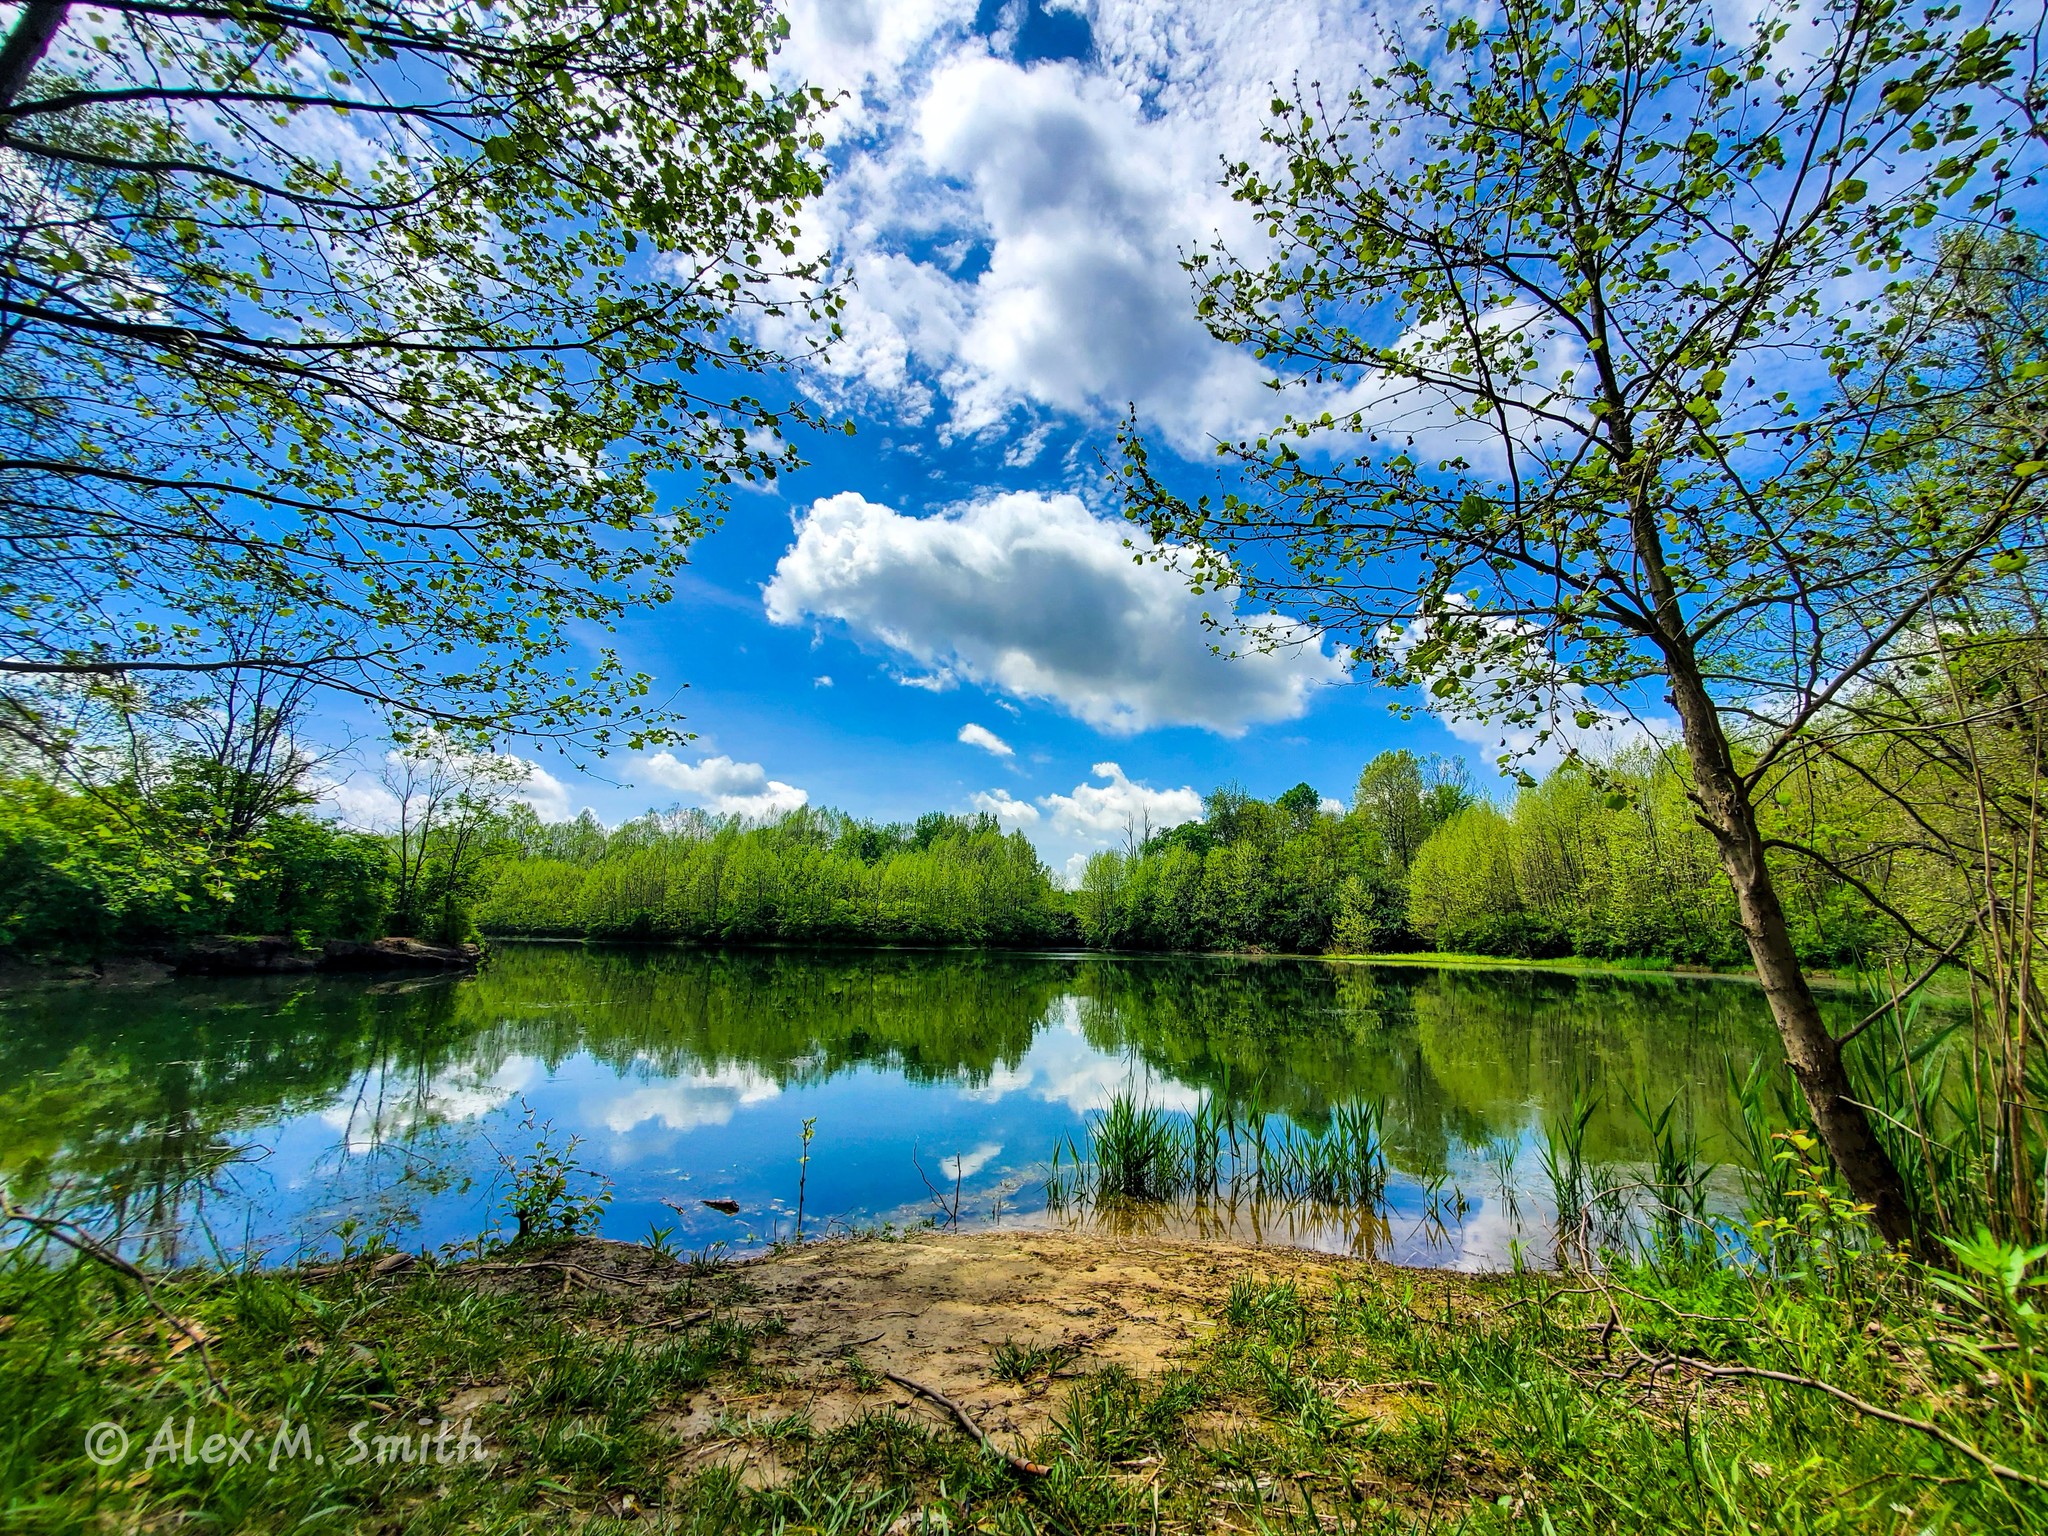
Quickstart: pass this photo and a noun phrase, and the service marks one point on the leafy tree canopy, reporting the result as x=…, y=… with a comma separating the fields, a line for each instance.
x=350, y=340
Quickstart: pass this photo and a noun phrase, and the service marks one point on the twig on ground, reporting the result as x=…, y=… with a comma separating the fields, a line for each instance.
x=1955, y=1443
x=1017, y=1463
x=78, y=1240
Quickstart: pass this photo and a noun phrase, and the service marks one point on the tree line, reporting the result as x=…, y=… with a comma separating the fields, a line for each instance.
x=809, y=876
x=217, y=832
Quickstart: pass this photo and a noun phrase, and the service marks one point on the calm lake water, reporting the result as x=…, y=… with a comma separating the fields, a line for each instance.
x=264, y=1113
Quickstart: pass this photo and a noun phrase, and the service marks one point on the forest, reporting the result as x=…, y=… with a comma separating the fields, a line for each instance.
x=1599, y=861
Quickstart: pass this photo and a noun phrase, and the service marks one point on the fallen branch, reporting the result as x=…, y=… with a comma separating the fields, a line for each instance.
x=1960, y=1446
x=1017, y=1463
x=76, y=1238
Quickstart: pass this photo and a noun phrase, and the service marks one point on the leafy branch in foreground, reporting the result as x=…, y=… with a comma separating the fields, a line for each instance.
x=367, y=332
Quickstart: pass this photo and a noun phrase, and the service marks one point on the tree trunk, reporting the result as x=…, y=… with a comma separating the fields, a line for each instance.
x=1815, y=1058
x=27, y=41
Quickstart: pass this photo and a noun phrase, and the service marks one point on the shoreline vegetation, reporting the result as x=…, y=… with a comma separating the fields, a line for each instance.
x=1605, y=868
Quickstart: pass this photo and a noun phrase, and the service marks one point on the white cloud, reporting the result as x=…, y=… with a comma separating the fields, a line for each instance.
x=1331, y=807
x=1082, y=305
x=821, y=682
x=1017, y=229
x=981, y=736
x=1025, y=450
x=1012, y=813
x=1036, y=597
x=358, y=800
x=723, y=786
x=683, y=1103
x=1106, y=811
x=863, y=47
x=548, y=795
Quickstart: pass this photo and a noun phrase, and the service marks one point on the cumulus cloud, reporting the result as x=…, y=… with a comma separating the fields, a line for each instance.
x=1109, y=810
x=1036, y=597
x=1082, y=305
x=1017, y=228
x=548, y=795
x=1011, y=812
x=723, y=786
x=981, y=736
x=864, y=47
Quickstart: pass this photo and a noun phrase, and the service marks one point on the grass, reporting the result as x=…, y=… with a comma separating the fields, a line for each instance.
x=1358, y=1399
x=1022, y=1363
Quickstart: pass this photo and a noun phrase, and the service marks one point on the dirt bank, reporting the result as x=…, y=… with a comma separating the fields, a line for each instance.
x=941, y=1309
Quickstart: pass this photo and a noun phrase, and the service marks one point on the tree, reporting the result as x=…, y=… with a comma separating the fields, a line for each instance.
x=1405, y=798
x=448, y=807
x=1299, y=807
x=1576, y=300
x=379, y=323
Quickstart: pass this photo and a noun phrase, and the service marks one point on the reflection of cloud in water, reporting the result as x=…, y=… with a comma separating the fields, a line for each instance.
x=1061, y=1067
x=965, y=1165
x=366, y=1118
x=681, y=1103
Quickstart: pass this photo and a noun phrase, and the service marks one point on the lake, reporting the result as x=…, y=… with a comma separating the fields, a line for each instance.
x=262, y=1114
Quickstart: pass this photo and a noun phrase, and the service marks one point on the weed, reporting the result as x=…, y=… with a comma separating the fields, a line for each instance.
x=552, y=1194
x=803, y=1171
x=1019, y=1363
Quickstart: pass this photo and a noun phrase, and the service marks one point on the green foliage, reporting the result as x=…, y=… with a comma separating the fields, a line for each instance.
x=1250, y=875
x=551, y=1194
x=809, y=876
x=83, y=872
x=374, y=334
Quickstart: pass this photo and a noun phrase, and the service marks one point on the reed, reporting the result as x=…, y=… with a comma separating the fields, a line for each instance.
x=1345, y=1165
x=1138, y=1152
x=1564, y=1163
x=1676, y=1187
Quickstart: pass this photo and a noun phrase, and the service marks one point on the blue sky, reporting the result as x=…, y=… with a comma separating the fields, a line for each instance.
x=937, y=613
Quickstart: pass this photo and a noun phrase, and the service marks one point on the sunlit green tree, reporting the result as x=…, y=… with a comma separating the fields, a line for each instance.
x=1577, y=293
x=347, y=342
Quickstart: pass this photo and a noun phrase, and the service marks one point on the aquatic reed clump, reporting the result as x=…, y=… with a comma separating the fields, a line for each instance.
x=1564, y=1161
x=1345, y=1165
x=1138, y=1151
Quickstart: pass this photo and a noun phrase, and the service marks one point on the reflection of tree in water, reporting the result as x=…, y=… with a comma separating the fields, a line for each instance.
x=1455, y=1057
x=794, y=1016
x=144, y=1104
x=146, y=1097
x=1502, y=1043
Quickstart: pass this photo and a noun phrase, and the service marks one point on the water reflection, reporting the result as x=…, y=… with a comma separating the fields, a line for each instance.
x=263, y=1113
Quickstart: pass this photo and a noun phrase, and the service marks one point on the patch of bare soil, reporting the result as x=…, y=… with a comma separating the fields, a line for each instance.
x=933, y=1307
